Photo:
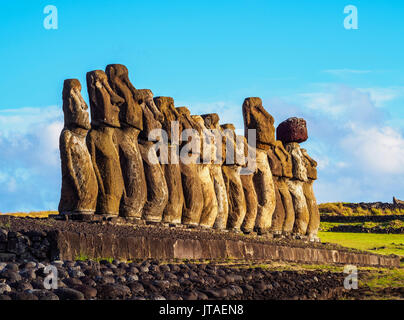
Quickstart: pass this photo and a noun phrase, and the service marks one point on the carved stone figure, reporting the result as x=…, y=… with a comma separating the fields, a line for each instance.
x=188, y=175
x=231, y=174
x=281, y=166
x=249, y=189
x=131, y=121
x=211, y=122
x=314, y=221
x=157, y=190
x=295, y=186
x=102, y=143
x=257, y=118
x=207, y=157
x=79, y=183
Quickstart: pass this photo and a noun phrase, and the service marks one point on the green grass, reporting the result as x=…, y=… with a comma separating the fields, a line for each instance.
x=395, y=224
x=377, y=243
x=340, y=209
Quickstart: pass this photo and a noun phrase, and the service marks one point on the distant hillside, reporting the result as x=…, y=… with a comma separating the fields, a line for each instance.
x=361, y=209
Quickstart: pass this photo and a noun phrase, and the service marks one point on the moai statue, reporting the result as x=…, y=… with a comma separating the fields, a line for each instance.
x=258, y=119
x=131, y=121
x=291, y=132
x=314, y=221
x=247, y=180
x=157, y=190
x=231, y=174
x=102, y=143
x=207, y=157
x=79, y=183
x=169, y=158
x=211, y=122
x=280, y=163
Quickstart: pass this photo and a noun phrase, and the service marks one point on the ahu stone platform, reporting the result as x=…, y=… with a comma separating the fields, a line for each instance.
x=58, y=240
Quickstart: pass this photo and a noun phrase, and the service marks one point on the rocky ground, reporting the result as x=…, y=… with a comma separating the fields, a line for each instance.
x=151, y=280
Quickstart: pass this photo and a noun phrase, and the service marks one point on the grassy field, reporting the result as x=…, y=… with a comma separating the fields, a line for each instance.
x=339, y=209
x=39, y=214
x=377, y=243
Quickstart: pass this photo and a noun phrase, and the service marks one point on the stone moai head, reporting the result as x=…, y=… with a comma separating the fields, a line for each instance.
x=256, y=117
x=211, y=121
x=234, y=145
x=170, y=117
x=311, y=165
x=152, y=117
x=131, y=110
x=74, y=106
x=104, y=102
x=292, y=130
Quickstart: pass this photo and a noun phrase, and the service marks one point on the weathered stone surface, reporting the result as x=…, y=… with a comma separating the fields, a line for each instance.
x=135, y=192
x=281, y=167
x=190, y=137
x=175, y=248
x=170, y=122
x=131, y=109
x=250, y=195
x=157, y=190
x=210, y=205
x=251, y=203
x=295, y=186
x=231, y=174
x=102, y=143
x=193, y=197
x=279, y=215
x=314, y=221
x=79, y=183
x=256, y=117
x=131, y=120
x=211, y=122
x=221, y=197
x=235, y=195
x=292, y=130
x=152, y=117
x=172, y=174
x=289, y=220
x=264, y=186
x=311, y=165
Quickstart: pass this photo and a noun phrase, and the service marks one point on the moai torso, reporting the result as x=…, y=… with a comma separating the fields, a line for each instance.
x=102, y=142
x=131, y=122
x=295, y=186
x=314, y=221
x=79, y=183
x=211, y=122
x=210, y=204
x=157, y=189
x=231, y=174
x=258, y=119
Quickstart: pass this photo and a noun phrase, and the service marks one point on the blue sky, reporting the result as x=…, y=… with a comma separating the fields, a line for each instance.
x=209, y=55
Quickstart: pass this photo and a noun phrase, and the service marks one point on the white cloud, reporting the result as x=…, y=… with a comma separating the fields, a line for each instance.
x=376, y=150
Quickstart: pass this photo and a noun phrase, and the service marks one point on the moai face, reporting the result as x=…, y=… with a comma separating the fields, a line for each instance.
x=299, y=168
x=131, y=110
x=74, y=106
x=166, y=106
x=256, y=117
x=104, y=102
x=311, y=165
x=152, y=117
x=211, y=121
x=234, y=146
